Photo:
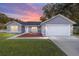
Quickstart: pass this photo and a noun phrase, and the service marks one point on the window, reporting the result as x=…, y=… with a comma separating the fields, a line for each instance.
x=14, y=28
x=34, y=29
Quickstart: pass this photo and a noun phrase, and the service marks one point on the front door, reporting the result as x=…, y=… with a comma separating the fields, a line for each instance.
x=34, y=29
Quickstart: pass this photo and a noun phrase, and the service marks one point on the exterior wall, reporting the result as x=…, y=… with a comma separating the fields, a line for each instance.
x=22, y=29
x=39, y=29
x=71, y=30
x=43, y=30
x=27, y=29
x=14, y=24
x=9, y=29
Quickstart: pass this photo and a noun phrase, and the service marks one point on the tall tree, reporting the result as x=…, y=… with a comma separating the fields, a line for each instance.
x=70, y=10
x=42, y=18
x=3, y=18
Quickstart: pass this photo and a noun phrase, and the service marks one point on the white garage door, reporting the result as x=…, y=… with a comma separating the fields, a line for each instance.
x=58, y=30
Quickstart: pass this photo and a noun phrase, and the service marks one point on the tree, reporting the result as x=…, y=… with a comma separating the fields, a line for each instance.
x=3, y=18
x=70, y=10
x=42, y=18
x=13, y=19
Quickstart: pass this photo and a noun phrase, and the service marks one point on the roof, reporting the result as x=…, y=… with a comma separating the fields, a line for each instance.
x=40, y=23
x=24, y=23
x=12, y=22
x=60, y=16
x=30, y=23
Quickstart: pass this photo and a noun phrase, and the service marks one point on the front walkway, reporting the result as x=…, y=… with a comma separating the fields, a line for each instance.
x=29, y=36
x=70, y=45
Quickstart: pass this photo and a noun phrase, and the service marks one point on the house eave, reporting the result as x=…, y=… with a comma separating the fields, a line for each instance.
x=12, y=21
x=57, y=16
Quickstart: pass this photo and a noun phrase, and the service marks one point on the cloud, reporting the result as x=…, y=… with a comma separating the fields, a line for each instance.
x=34, y=6
x=31, y=16
x=23, y=11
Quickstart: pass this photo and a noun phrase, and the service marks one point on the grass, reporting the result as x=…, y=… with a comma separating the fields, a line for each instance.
x=5, y=35
x=29, y=47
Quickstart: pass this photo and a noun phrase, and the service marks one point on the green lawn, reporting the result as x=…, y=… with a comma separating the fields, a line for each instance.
x=5, y=35
x=29, y=47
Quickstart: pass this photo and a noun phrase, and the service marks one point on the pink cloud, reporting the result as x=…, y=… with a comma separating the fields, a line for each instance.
x=31, y=16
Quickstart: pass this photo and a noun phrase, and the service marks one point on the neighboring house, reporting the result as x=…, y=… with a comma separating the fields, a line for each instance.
x=58, y=25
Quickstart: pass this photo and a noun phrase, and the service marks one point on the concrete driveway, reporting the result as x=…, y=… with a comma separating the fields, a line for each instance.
x=70, y=45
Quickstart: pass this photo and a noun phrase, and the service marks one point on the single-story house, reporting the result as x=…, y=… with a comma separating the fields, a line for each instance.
x=58, y=25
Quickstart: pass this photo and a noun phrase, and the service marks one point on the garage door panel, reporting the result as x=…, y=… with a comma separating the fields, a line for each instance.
x=58, y=30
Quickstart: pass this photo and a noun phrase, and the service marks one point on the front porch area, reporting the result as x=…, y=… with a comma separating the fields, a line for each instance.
x=32, y=29
x=31, y=35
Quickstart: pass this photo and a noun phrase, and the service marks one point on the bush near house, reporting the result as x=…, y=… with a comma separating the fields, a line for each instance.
x=76, y=30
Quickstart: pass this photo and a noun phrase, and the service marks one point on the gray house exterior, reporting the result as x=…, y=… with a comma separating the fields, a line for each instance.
x=58, y=25
x=23, y=27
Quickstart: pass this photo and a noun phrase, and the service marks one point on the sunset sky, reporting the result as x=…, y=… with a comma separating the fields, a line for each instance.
x=23, y=11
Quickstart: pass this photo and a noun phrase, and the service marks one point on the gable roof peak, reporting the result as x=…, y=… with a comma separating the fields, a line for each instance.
x=67, y=19
x=59, y=15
